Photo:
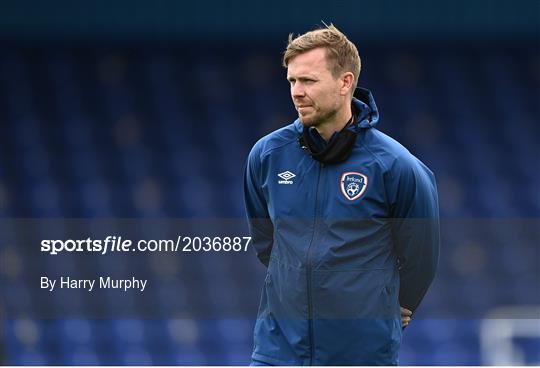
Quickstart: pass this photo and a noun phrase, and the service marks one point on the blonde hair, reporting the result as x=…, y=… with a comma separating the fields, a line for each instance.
x=341, y=54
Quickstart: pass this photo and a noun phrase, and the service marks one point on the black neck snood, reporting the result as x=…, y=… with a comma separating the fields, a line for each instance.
x=337, y=150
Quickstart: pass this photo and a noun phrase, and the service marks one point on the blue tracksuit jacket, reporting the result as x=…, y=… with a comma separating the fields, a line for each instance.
x=344, y=245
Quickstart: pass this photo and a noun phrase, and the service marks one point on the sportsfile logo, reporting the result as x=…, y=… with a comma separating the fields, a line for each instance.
x=286, y=176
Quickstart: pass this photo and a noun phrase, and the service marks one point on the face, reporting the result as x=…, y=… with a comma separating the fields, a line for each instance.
x=316, y=94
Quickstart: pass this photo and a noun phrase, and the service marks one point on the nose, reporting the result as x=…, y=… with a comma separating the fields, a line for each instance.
x=297, y=90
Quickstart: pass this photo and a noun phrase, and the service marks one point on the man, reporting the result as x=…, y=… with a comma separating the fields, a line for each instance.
x=343, y=216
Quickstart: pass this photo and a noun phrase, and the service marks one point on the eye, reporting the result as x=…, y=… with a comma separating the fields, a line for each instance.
x=308, y=80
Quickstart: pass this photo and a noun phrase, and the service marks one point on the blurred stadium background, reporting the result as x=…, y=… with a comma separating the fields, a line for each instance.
x=148, y=109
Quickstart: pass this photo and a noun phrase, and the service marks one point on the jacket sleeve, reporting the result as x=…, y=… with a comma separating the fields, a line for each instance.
x=415, y=228
x=259, y=223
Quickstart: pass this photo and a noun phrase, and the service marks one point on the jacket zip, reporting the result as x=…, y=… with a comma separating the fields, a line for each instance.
x=308, y=266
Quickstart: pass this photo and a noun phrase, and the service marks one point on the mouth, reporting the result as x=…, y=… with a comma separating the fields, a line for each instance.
x=303, y=107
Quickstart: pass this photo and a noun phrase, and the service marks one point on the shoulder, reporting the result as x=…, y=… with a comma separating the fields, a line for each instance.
x=392, y=155
x=278, y=139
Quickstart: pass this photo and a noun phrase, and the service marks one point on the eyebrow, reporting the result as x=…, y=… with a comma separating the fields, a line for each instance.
x=301, y=78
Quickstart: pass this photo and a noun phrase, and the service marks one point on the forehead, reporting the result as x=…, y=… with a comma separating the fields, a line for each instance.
x=310, y=62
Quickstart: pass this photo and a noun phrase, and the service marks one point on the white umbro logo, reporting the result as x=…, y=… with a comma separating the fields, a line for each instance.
x=286, y=176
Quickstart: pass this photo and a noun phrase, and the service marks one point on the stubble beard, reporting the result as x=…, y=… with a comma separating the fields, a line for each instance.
x=318, y=118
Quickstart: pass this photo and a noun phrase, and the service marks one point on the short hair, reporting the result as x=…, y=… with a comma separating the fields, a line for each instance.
x=341, y=54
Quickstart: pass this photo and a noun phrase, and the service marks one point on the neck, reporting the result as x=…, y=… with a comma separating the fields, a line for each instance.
x=335, y=123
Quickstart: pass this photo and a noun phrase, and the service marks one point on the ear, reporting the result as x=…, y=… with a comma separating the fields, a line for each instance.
x=347, y=80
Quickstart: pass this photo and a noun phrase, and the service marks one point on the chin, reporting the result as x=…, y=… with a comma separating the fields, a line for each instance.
x=307, y=122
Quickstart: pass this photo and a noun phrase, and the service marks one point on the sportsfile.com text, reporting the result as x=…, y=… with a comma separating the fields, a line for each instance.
x=119, y=244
